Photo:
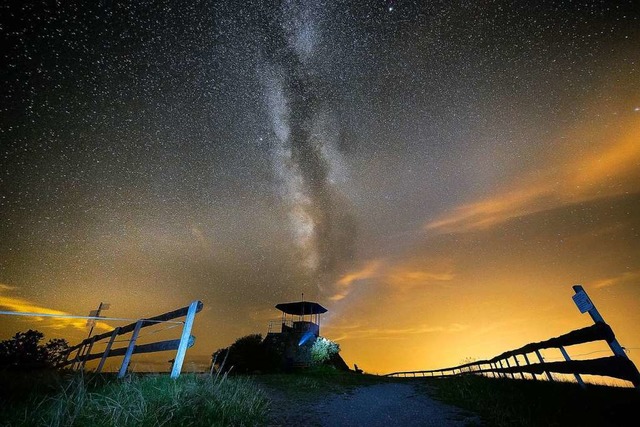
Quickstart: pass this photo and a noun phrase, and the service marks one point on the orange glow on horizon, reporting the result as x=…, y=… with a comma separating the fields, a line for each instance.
x=21, y=305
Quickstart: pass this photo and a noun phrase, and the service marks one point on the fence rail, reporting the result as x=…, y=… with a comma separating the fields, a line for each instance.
x=616, y=366
x=276, y=325
x=612, y=366
x=83, y=349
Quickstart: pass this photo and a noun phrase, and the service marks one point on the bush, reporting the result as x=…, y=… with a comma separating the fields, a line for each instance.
x=323, y=350
x=24, y=351
x=246, y=355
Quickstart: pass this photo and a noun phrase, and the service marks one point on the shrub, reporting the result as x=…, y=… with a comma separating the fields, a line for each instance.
x=323, y=350
x=24, y=351
x=246, y=355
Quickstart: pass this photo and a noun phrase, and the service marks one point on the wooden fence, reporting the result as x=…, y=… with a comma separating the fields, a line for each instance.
x=521, y=361
x=83, y=350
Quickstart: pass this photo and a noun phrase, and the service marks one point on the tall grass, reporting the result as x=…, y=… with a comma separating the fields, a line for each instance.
x=314, y=383
x=147, y=400
x=509, y=402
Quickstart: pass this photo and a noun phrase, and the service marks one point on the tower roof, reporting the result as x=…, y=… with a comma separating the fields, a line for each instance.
x=301, y=308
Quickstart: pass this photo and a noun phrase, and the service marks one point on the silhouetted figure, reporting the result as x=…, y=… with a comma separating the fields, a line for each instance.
x=358, y=370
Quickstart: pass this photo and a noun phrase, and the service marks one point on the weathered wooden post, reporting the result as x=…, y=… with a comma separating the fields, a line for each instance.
x=184, y=339
x=526, y=359
x=568, y=359
x=515, y=357
x=74, y=361
x=549, y=377
x=94, y=314
x=77, y=362
x=132, y=345
x=88, y=352
x=585, y=305
x=506, y=360
x=107, y=350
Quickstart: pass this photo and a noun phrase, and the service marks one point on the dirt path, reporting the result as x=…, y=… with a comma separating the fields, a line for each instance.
x=370, y=406
x=390, y=405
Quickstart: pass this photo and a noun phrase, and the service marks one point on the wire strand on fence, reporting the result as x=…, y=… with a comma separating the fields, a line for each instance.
x=163, y=329
x=72, y=316
x=576, y=355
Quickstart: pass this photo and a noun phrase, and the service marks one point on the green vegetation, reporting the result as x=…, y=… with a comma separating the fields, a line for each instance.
x=248, y=354
x=23, y=351
x=252, y=354
x=316, y=382
x=293, y=395
x=51, y=398
x=150, y=400
x=323, y=350
x=507, y=402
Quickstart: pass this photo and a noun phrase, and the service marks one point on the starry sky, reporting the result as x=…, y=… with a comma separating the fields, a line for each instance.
x=438, y=174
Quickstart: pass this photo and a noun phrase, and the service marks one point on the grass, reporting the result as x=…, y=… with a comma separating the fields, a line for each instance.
x=71, y=399
x=316, y=382
x=294, y=395
x=507, y=402
x=499, y=402
x=139, y=400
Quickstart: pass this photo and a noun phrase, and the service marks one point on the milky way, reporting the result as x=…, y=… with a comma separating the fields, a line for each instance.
x=436, y=173
x=304, y=153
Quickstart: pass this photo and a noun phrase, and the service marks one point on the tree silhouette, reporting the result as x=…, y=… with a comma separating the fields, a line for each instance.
x=247, y=354
x=56, y=351
x=24, y=351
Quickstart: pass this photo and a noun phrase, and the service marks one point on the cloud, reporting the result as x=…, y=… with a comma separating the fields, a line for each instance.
x=397, y=275
x=616, y=280
x=608, y=170
x=343, y=285
x=351, y=332
x=411, y=277
x=11, y=303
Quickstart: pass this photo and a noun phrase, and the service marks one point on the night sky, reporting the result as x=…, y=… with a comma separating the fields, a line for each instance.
x=438, y=174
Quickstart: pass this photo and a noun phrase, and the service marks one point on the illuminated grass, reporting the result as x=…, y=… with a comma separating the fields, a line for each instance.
x=314, y=382
x=201, y=400
x=152, y=400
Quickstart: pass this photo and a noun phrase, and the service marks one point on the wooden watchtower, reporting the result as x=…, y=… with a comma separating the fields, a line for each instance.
x=299, y=328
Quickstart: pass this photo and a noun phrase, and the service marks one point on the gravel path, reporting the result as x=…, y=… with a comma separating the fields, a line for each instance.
x=390, y=405
x=385, y=405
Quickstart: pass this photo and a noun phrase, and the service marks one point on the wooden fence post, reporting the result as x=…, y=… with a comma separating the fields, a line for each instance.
x=66, y=358
x=568, y=359
x=184, y=340
x=518, y=365
x=585, y=304
x=74, y=361
x=506, y=360
x=84, y=360
x=549, y=377
x=107, y=350
x=127, y=355
x=504, y=374
x=77, y=361
x=526, y=359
